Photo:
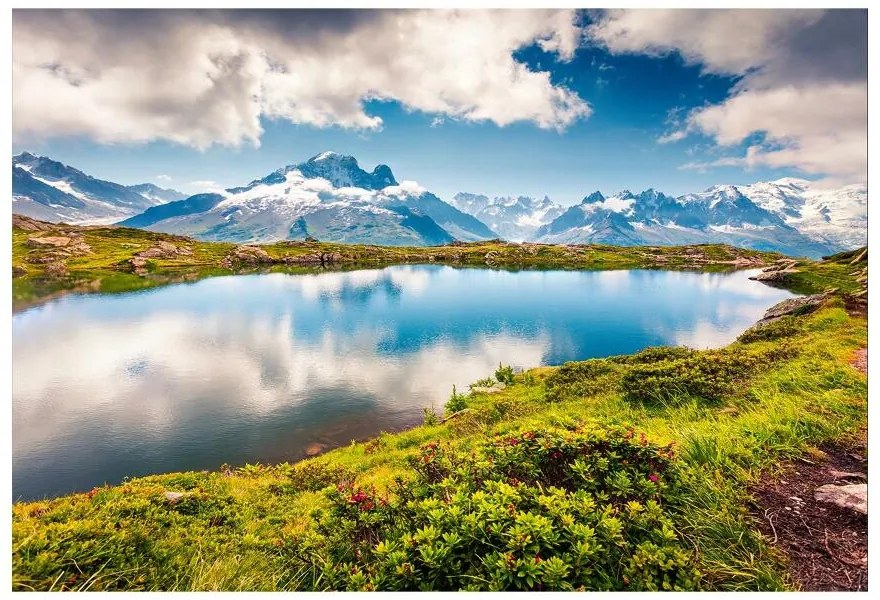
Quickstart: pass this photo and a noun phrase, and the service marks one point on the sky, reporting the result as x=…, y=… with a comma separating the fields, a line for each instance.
x=514, y=102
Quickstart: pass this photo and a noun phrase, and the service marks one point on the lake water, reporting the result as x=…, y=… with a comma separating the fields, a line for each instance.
x=261, y=367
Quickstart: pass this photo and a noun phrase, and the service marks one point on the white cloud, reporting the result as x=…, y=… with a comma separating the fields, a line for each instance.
x=721, y=41
x=205, y=185
x=208, y=77
x=803, y=86
x=163, y=177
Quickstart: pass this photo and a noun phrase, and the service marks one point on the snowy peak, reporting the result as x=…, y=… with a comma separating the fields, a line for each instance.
x=836, y=216
x=513, y=218
x=328, y=197
x=344, y=171
x=50, y=190
x=159, y=194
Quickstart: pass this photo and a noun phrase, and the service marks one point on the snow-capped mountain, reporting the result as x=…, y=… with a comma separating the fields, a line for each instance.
x=514, y=219
x=789, y=215
x=836, y=216
x=46, y=189
x=156, y=193
x=328, y=197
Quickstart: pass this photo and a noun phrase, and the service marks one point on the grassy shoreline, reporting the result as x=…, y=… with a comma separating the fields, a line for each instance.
x=362, y=516
x=108, y=259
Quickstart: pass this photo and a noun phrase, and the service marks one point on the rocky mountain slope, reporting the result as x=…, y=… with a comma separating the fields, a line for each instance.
x=515, y=219
x=47, y=189
x=329, y=197
x=793, y=216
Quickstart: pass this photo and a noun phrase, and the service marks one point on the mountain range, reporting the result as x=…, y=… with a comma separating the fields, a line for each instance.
x=330, y=197
x=794, y=216
x=46, y=189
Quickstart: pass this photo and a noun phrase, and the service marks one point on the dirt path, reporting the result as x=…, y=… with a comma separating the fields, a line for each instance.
x=826, y=546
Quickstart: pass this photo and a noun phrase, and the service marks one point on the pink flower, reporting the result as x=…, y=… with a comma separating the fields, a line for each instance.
x=653, y=478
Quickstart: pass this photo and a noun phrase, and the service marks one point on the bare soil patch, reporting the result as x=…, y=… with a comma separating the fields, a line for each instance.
x=826, y=546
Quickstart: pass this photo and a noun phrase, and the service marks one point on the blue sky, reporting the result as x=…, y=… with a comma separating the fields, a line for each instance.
x=635, y=97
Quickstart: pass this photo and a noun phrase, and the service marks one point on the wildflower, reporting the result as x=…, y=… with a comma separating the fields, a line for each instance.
x=653, y=478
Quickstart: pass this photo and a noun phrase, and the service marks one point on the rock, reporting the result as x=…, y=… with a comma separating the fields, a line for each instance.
x=138, y=264
x=56, y=269
x=247, y=255
x=773, y=274
x=853, y=497
x=18, y=271
x=862, y=255
x=28, y=224
x=317, y=258
x=847, y=475
x=314, y=449
x=174, y=497
x=48, y=241
x=794, y=306
x=165, y=250
x=497, y=387
x=311, y=239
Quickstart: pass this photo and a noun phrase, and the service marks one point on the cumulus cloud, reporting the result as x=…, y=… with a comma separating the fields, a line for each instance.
x=801, y=97
x=209, y=77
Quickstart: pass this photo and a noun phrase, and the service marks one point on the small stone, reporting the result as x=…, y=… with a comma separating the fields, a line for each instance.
x=314, y=449
x=847, y=475
x=174, y=497
x=853, y=497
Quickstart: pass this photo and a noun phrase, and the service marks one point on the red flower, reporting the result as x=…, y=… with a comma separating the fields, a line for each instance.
x=653, y=477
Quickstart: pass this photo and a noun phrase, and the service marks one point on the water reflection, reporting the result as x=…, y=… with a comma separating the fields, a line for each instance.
x=248, y=368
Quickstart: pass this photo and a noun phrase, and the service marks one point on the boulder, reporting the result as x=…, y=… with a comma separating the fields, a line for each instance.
x=793, y=306
x=247, y=255
x=314, y=449
x=28, y=224
x=56, y=269
x=49, y=241
x=774, y=273
x=165, y=250
x=174, y=497
x=497, y=387
x=852, y=497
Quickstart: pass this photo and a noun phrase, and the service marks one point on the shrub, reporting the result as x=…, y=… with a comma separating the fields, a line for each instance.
x=314, y=475
x=781, y=328
x=456, y=402
x=652, y=355
x=504, y=374
x=430, y=418
x=485, y=382
x=535, y=510
x=709, y=374
x=582, y=379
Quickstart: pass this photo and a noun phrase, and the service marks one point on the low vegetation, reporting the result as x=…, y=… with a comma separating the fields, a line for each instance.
x=624, y=473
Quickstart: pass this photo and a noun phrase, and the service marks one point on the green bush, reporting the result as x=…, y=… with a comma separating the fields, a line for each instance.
x=781, y=328
x=456, y=402
x=652, y=355
x=709, y=374
x=582, y=379
x=535, y=510
x=504, y=374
